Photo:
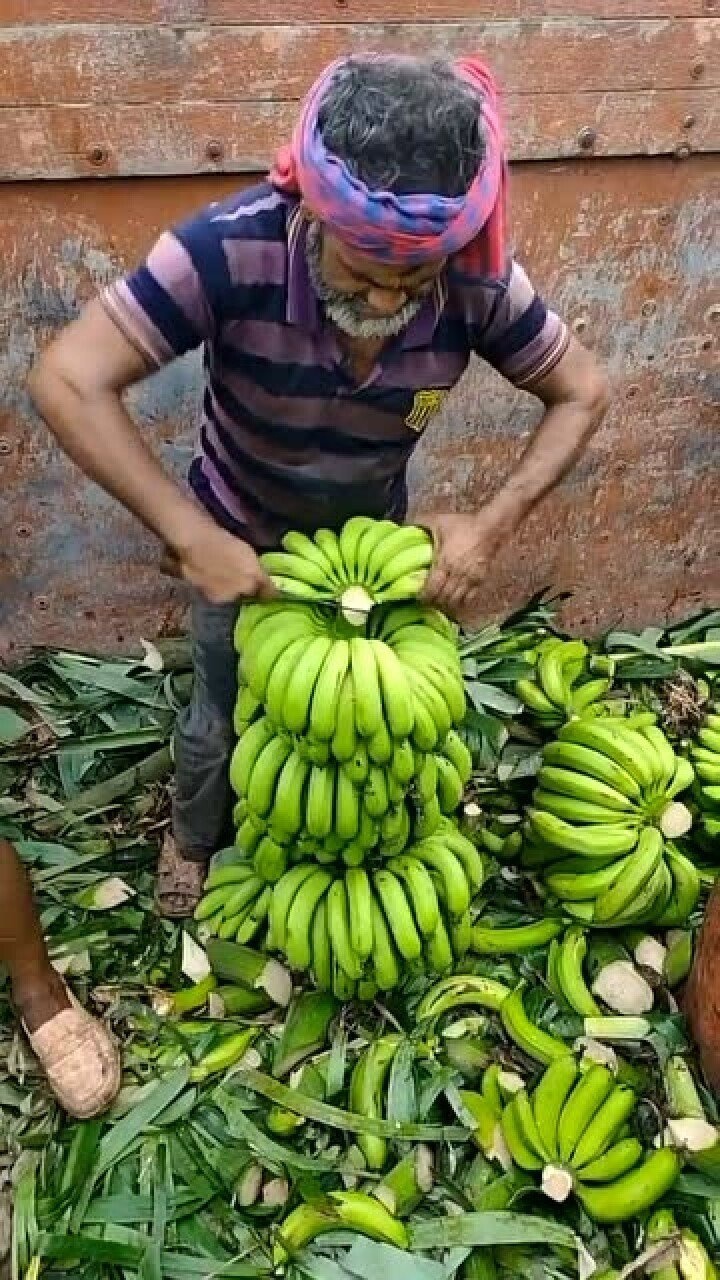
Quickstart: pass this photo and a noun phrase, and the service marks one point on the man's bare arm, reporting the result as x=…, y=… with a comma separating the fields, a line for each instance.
x=77, y=386
x=575, y=395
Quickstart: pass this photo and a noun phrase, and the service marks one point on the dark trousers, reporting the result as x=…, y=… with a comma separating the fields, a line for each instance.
x=204, y=736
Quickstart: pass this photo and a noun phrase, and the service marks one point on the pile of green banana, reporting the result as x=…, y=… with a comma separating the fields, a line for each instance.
x=705, y=756
x=368, y=562
x=562, y=685
x=604, y=814
x=574, y=1128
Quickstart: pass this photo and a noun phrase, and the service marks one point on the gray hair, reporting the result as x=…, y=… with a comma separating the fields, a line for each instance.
x=407, y=125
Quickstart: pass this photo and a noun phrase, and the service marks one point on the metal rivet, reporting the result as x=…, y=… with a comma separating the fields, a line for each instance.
x=710, y=6
x=682, y=152
x=632, y=391
x=341, y=4
x=707, y=344
x=42, y=603
x=649, y=308
x=580, y=325
x=688, y=122
x=97, y=155
x=665, y=218
x=712, y=315
x=214, y=150
x=697, y=70
x=5, y=445
x=23, y=530
x=587, y=138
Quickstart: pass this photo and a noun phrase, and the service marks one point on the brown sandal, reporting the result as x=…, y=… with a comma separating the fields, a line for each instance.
x=179, y=882
x=80, y=1060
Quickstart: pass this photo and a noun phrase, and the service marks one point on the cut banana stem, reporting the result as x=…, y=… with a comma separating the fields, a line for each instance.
x=556, y=1183
x=676, y=820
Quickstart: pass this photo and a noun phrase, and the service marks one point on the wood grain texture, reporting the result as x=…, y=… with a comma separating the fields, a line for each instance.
x=186, y=138
x=626, y=250
x=37, y=12
x=45, y=66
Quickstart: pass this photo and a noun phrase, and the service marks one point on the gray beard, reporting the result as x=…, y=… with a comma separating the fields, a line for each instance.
x=345, y=310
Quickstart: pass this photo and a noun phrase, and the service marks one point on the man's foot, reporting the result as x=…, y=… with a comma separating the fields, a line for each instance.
x=179, y=883
x=40, y=999
x=77, y=1053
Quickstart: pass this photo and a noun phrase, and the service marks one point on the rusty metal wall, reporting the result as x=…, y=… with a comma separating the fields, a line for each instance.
x=616, y=195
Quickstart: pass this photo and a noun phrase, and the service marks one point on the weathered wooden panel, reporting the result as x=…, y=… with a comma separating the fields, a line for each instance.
x=27, y=12
x=127, y=140
x=141, y=64
x=634, y=531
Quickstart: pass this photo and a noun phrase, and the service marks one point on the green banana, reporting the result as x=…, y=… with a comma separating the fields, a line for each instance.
x=280, y=677
x=466, y=853
x=287, y=812
x=347, y=807
x=320, y=800
x=584, y=886
x=616, y=1161
x=515, y=939
x=246, y=753
x=270, y=860
x=605, y=1125
x=635, y=1192
x=298, y=948
x=340, y=1211
x=394, y=689
x=458, y=754
x=300, y=545
x=569, y=973
x=420, y=890
x=339, y=929
x=598, y=839
x=325, y=706
x=295, y=710
x=358, y=765
x=344, y=739
x=452, y=881
x=381, y=746
x=549, y=1098
x=581, y=811
x=583, y=1103
x=582, y=787
x=685, y=890
x=264, y=777
x=402, y=764
x=635, y=873
x=367, y=1091
x=438, y=949
x=593, y=763
x=605, y=737
x=366, y=682
x=449, y=785
x=359, y=898
x=538, y=1044
x=322, y=959
x=375, y=795
x=399, y=917
x=283, y=894
x=522, y=1154
x=386, y=969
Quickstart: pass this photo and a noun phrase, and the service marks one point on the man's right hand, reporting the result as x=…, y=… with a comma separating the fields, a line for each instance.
x=220, y=566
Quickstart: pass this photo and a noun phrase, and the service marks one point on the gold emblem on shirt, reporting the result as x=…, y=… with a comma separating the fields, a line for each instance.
x=425, y=404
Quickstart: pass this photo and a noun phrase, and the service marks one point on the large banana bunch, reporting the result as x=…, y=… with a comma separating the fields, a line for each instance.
x=367, y=563
x=574, y=1129
x=602, y=813
x=562, y=685
x=705, y=756
x=358, y=929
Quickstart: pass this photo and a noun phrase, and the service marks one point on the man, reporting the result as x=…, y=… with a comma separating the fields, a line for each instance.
x=337, y=303
x=77, y=1053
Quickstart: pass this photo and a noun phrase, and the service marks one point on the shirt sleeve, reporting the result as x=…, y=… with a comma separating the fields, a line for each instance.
x=518, y=334
x=166, y=306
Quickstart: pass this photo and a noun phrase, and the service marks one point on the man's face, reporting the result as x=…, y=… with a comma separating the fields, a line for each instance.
x=362, y=297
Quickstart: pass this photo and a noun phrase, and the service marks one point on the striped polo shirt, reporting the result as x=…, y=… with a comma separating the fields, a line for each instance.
x=287, y=438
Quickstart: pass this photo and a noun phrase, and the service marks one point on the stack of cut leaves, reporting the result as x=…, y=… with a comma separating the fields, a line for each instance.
x=536, y=1110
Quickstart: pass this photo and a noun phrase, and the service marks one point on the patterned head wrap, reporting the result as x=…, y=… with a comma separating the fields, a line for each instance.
x=403, y=230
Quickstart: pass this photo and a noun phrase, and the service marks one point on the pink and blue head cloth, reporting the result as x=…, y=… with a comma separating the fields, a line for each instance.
x=404, y=230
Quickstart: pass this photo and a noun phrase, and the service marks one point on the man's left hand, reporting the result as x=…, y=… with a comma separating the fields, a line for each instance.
x=465, y=547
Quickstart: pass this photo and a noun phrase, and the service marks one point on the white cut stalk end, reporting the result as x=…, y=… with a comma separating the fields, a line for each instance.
x=275, y=1192
x=216, y=1006
x=650, y=954
x=499, y=1150
x=691, y=1134
x=424, y=1168
x=676, y=820
x=195, y=964
x=510, y=1082
x=275, y=980
x=556, y=1183
x=356, y=604
x=249, y=1186
x=593, y=1051
x=623, y=989
x=105, y=895
x=152, y=658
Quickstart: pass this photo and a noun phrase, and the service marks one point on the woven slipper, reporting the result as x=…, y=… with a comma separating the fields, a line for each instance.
x=179, y=882
x=80, y=1060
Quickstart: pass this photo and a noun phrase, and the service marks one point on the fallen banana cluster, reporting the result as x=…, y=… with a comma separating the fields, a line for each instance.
x=368, y=562
x=562, y=685
x=603, y=817
x=705, y=756
x=575, y=1129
